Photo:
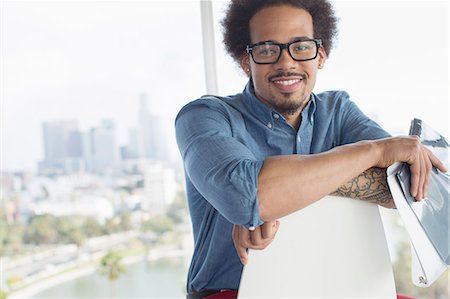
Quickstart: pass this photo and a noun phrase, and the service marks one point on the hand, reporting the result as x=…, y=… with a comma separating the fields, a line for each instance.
x=257, y=239
x=421, y=160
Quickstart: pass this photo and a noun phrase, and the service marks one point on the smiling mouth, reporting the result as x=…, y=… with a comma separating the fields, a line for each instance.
x=287, y=82
x=287, y=85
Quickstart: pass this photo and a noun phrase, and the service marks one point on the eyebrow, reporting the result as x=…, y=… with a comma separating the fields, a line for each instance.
x=297, y=38
x=301, y=38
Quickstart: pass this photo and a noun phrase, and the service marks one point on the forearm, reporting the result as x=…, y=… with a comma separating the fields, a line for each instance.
x=289, y=183
x=370, y=186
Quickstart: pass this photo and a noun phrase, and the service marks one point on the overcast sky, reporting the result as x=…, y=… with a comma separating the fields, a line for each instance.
x=90, y=60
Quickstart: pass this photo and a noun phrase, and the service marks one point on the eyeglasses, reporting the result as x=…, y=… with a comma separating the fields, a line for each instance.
x=269, y=52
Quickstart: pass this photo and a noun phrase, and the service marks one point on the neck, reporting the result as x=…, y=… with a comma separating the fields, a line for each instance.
x=294, y=119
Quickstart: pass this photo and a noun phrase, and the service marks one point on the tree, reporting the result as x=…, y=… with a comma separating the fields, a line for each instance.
x=69, y=231
x=91, y=227
x=125, y=221
x=158, y=224
x=111, y=226
x=11, y=238
x=49, y=229
x=42, y=230
x=111, y=265
x=177, y=210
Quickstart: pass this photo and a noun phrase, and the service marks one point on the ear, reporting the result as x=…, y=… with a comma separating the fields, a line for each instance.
x=244, y=61
x=322, y=57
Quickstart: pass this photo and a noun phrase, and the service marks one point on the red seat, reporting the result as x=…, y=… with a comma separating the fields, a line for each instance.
x=399, y=296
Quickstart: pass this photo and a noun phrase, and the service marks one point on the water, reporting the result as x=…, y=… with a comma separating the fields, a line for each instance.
x=142, y=280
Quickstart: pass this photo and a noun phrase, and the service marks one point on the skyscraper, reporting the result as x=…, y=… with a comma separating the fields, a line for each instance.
x=135, y=147
x=103, y=152
x=152, y=131
x=62, y=147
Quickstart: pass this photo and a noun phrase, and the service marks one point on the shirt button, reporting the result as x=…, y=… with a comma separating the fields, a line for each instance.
x=252, y=228
x=299, y=139
x=269, y=125
x=276, y=116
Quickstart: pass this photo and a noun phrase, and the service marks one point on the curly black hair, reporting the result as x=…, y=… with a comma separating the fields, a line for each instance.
x=236, y=24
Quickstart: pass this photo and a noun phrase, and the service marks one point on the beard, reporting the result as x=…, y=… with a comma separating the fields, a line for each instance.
x=289, y=105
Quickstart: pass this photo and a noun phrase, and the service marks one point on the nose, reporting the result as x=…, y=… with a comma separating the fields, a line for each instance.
x=285, y=61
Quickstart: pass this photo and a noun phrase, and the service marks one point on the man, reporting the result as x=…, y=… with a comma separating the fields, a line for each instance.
x=277, y=147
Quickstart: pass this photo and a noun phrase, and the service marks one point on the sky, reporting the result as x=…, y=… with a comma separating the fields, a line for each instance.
x=90, y=60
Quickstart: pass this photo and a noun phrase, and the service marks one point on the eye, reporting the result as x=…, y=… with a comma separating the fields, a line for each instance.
x=265, y=50
x=301, y=47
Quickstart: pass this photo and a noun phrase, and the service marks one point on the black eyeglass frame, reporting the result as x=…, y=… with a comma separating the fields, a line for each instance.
x=249, y=49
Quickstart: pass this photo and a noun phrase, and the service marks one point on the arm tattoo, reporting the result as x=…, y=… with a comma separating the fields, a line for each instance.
x=371, y=186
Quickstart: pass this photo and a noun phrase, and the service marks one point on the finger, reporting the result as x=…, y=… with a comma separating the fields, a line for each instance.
x=267, y=240
x=422, y=176
x=244, y=237
x=241, y=250
x=257, y=242
x=269, y=229
x=436, y=162
x=429, y=168
x=415, y=173
x=256, y=238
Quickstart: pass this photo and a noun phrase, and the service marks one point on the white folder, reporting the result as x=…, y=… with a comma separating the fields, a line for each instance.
x=427, y=265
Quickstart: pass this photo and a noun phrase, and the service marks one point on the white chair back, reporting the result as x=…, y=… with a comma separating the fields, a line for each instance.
x=334, y=248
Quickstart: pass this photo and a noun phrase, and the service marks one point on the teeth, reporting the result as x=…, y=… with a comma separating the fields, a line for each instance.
x=287, y=82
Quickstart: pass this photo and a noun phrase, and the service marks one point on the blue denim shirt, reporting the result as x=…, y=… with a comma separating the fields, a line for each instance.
x=223, y=142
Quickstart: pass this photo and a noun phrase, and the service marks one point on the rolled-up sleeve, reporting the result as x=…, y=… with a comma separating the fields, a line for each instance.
x=222, y=169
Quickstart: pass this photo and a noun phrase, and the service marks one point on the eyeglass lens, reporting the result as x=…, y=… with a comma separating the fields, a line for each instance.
x=269, y=53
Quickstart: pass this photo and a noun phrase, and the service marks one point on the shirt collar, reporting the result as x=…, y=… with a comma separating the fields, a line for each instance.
x=312, y=105
x=255, y=106
x=264, y=113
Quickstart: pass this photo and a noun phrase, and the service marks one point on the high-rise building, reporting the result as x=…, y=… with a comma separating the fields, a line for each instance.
x=152, y=131
x=159, y=185
x=102, y=148
x=135, y=147
x=62, y=147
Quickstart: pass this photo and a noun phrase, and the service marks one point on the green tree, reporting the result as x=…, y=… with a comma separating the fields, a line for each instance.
x=177, y=211
x=11, y=238
x=91, y=227
x=112, y=225
x=111, y=265
x=125, y=221
x=11, y=234
x=158, y=224
x=49, y=229
x=69, y=231
x=42, y=230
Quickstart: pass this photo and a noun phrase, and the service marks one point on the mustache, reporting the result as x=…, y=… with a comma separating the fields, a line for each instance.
x=287, y=74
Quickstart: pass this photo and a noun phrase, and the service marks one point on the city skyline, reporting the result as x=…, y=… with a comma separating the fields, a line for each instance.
x=68, y=149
